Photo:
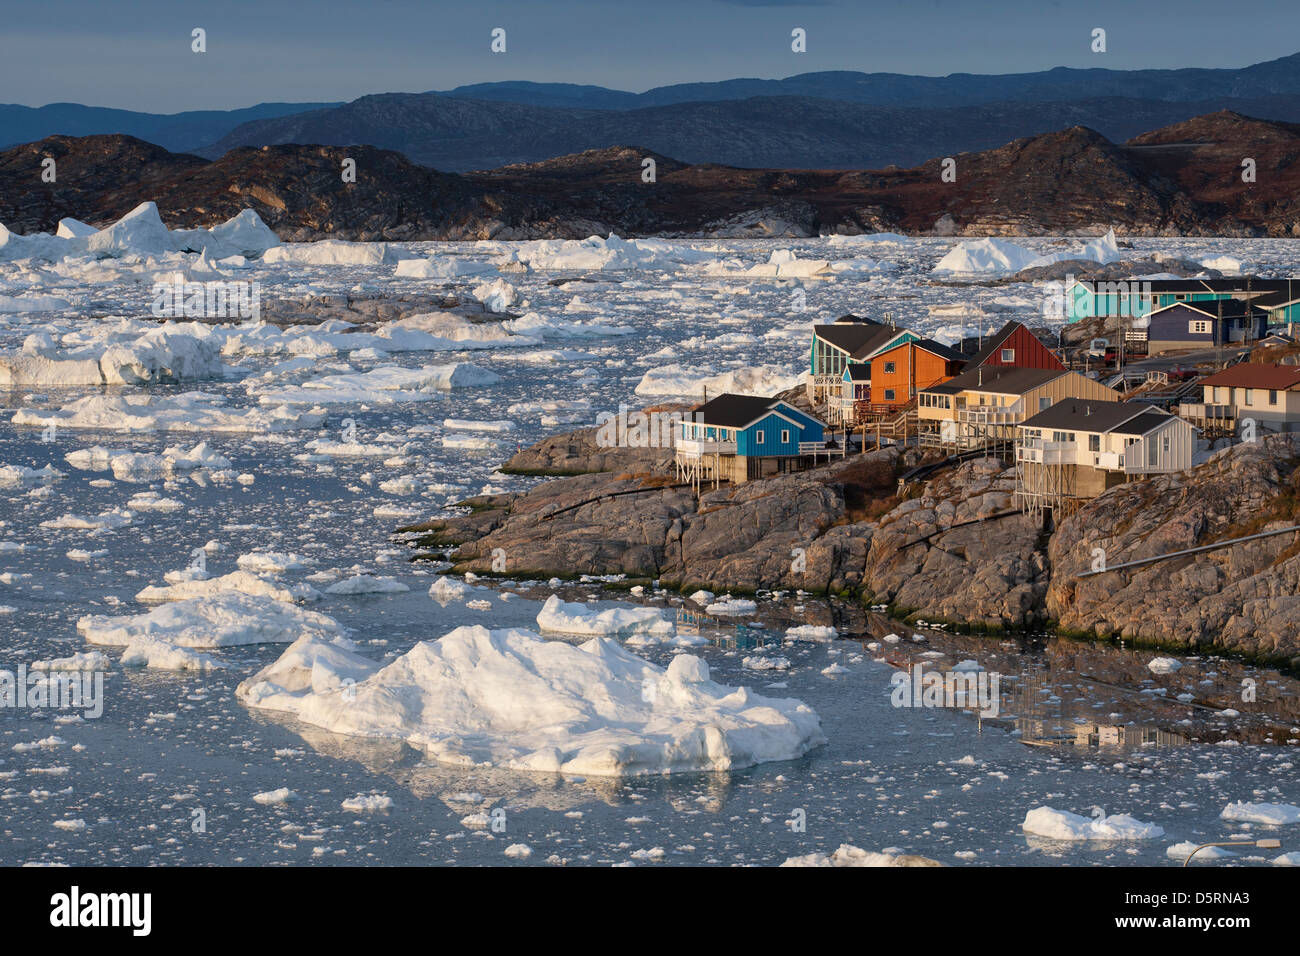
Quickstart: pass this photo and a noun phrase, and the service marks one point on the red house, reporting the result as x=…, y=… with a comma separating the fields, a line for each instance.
x=1014, y=346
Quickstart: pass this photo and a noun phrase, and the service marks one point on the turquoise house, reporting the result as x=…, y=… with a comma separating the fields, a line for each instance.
x=1138, y=298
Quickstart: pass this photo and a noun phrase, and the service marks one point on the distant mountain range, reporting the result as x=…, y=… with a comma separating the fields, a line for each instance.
x=1181, y=179
x=827, y=120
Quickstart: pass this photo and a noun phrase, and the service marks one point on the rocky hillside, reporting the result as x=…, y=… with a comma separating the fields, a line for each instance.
x=1184, y=179
x=953, y=550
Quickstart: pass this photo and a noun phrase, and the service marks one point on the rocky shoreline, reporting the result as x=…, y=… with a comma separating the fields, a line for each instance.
x=952, y=549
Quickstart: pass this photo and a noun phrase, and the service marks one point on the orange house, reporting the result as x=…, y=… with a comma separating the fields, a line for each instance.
x=899, y=372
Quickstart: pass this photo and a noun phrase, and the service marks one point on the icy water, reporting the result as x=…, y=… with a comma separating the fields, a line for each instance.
x=936, y=782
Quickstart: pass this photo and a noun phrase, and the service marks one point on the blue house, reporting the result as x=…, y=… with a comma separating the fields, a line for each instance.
x=741, y=437
x=1202, y=325
x=1137, y=298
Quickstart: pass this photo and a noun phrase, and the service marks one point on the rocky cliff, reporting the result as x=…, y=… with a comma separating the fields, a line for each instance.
x=953, y=550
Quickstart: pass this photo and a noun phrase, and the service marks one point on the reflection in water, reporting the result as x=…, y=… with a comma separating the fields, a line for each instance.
x=1045, y=719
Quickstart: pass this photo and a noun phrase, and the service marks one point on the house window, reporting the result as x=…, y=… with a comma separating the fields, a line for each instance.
x=785, y=436
x=1272, y=396
x=758, y=437
x=1008, y=355
x=889, y=368
x=1044, y=403
x=1199, y=327
x=889, y=394
x=1094, y=443
x=1249, y=398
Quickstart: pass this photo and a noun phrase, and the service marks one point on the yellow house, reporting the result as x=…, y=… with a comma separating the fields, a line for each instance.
x=984, y=405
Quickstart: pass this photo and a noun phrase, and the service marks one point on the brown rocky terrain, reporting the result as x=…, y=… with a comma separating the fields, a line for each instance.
x=1182, y=179
x=952, y=550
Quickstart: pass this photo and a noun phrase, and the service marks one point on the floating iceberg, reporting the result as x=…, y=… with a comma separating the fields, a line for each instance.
x=1063, y=825
x=564, y=617
x=221, y=620
x=509, y=698
x=983, y=257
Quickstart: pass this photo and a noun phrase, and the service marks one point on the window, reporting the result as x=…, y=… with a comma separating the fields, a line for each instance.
x=889, y=368
x=785, y=436
x=1199, y=327
x=1008, y=355
x=758, y=437
x=889, y=394
x=1044, y=403
x=1094, y=443
x=1272, y=396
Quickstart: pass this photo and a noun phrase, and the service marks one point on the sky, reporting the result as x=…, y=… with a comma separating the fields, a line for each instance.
x=136, y=54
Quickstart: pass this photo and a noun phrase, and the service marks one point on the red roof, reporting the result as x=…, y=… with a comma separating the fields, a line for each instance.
x=1257, y=375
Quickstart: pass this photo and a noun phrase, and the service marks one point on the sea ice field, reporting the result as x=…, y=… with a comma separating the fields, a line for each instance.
x=203, y=510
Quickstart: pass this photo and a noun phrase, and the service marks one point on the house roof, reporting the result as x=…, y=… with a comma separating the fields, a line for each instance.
x=1213, y=309
x=1088, y=415
x=1257, y=375
x=995, y=343
x=1005, y=380
x=1142, y=424
x=858, y=339
x=729, y=410
x=858, y=372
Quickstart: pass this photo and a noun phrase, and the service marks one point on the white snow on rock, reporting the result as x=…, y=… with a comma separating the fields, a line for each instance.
x=1276, y=814
x=1064, y=825
x=849, y=855
x=223, y=620
x=512, y=699
x=564, y=617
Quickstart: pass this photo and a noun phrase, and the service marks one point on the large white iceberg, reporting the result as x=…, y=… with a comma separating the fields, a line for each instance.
x=221, y=620
x=509, y=698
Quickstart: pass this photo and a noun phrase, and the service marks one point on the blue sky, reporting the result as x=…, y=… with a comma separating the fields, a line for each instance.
x=135, y=54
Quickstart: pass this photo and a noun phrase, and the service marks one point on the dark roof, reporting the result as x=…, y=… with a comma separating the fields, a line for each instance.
x=856, y=338
x=732, y=411
x=941, y=350
x=1142, y=424
x=995, y=343
x=1007, y=379
x=1087, y=415
x=858, y=371
x=1257, y=375
x=1216, y=308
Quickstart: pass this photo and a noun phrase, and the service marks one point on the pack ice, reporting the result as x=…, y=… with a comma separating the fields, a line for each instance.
x=511, y=699
x=141, y=232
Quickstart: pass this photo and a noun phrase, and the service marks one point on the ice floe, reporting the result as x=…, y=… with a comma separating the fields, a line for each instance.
x=510, y=698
